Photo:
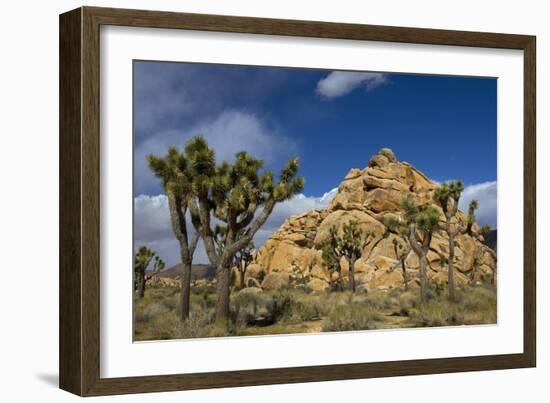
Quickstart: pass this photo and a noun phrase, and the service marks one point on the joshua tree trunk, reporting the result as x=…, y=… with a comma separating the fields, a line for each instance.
x=421, y=250
x=185, y=289
x=423, y=278
x=352, y=275
x=451, y=277
x=405, y=276
x=187, y=249
x=141, y=286
x=222, y=289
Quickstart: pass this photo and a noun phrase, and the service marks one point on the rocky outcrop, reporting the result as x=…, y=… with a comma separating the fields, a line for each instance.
x=366, y=196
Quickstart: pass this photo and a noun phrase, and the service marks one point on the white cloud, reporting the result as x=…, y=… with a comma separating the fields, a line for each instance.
x=228, y=133
x=486, y=195
x=152, y=223
x=340, y=83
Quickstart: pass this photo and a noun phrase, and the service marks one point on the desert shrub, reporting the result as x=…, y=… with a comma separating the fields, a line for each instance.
x=197, y=325
x=475, y=298
x=407, y=300
x=170, y=302
x=480, y=304
x=164, y=326
x=351, y=317
x=285, y=306
x=141, y=316
x=250, y=306
x=382, y=300
x=145, y=313
x=203, y=300
x=438, y=312
x=303, y=310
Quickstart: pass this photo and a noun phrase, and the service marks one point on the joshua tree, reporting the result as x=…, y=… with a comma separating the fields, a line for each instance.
x=233, y=194
x=447, y=196
x=351, y=244
x=331, y=257
x=243, y=258
x=484, y=230
x=299, y=278
x=401, y=252
x=142, y=260
x=422, y=223
x=173, y=171
x=471, y=219
x=475, y=264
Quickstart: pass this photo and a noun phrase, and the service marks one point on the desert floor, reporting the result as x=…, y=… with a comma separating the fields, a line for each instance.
x=256, y=312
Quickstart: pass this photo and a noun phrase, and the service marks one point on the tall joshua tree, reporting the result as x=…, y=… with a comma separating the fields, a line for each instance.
x=447, y=196
x=173, y=171
x=399, y=227
x=422, y=223
x=142, y=260
x=233, y=194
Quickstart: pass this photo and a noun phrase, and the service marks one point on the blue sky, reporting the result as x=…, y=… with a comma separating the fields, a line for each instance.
x=334, y=121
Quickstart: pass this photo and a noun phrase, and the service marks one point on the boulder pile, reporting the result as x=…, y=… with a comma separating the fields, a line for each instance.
x=366, y=196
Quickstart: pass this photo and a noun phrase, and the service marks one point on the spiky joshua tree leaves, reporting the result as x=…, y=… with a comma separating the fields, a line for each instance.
x=484, y=230
x=447, y=196
x=142, y=260
x=233, y=194
x=174, y=172
x=348, y=245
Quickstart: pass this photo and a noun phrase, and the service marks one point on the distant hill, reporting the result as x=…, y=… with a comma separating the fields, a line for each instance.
x=491, y=240
x=198, y=271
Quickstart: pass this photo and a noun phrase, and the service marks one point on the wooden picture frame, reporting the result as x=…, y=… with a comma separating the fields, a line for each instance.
x=79, y=346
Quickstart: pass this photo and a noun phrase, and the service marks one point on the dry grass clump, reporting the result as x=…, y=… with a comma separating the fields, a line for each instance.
x=474, y=305
x=407, y=301
x=437, y=312
x=351, y=317
x=199, y=324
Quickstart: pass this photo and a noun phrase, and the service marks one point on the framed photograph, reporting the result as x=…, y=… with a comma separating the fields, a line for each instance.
x=249, y=201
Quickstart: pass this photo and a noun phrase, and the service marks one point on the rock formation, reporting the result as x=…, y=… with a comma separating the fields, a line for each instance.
x=366, y=196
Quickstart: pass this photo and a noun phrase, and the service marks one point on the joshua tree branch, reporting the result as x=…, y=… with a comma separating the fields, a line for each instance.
x=193, y=244
x=254, y=227
x=200, y=216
